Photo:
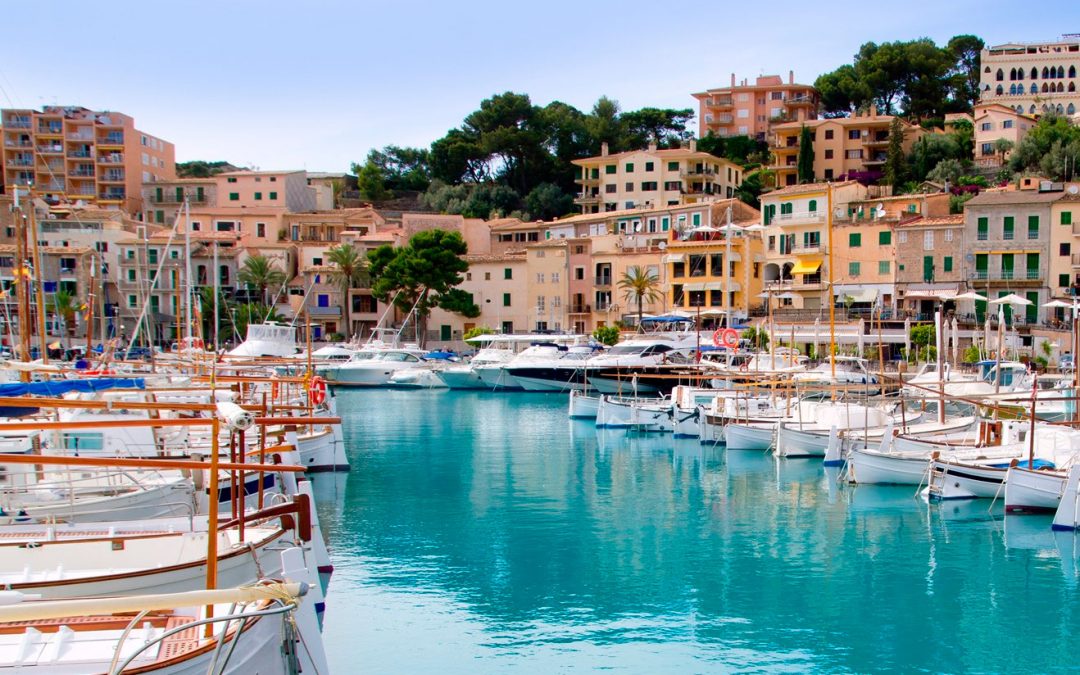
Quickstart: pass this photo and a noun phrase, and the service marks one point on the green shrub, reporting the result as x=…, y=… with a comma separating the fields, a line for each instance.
x=608, y=335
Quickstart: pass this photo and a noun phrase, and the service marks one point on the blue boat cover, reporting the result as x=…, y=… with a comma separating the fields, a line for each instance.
x=1038, y=464
x=61, y=387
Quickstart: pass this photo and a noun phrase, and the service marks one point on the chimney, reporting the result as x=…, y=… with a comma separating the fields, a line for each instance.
x=733, y=79
x=693, y=145
x=791, y=77
x=652, y=146
x=603, y=149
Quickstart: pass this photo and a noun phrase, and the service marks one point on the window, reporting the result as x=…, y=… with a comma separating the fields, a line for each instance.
x=579, y=273
x=195, y=226
x=812, y=206
x=928, y=240
x=506, y=299
x=260, y=229
x=983, y=229
x=1065, y=248
x=1007, y=124
x=610, y=169
x=629, y=186
x=316, y=261
x=554, y=277
x=853, y=269
x=508, y=273
x=884, y=238
x=231, y=179
x=610, y=188
x=1063, y=280
x=539, y=277
x=672, y=166
x=986, y=126
x=665, y=224
x=854, y=240
x=153, y=256
x=1033, y=227
x=883, y=267
x=946, y=265
x=133, y=301
x=159, y=216
x=648, y=186
x=828, y=134
x=854, y=134
x=273, y=195
x=853, y=154
x=258, y=196
x=828, y=154
x=487, y=276
x=174, y=254
x=948, y=235
x=129, y=254
x=234, y=196
x=1007, y=228
x=648, y=166
x=629, y=167
x=1066, y=217
x=131, y=276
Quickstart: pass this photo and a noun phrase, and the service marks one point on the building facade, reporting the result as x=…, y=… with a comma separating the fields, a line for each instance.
x=993, y=121
x=654, y=178
x=1032, y=78
x=746, y=109
x=843, y=147
x=76, y=156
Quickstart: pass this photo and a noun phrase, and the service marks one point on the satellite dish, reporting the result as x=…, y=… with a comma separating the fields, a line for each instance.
x=1073, y=189
x=662, y=246
x=838, y=213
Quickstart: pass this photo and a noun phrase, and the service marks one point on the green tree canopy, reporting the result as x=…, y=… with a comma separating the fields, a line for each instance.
x=805, y=168
x=896, y=168
x=1051, y=148
x=258, y=273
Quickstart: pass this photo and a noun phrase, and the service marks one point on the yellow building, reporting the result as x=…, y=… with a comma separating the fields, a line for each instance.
x=796, y=221
x=1064, y=272
x=654, y=178
x=842, y=146
x=713, y=271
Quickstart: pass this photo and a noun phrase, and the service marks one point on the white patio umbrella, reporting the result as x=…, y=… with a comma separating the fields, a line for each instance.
x=817, y=337
x=730, y=229
x=1057, y=303
x=907, y=336
x=970, y=295
x=703, y=229
x=862, y=346
x=1011, y=299
x=955, y=341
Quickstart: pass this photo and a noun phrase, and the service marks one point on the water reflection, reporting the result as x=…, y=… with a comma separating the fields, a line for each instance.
x=488, y=529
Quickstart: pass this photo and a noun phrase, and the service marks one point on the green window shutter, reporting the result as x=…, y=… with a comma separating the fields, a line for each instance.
x=159, y=216
x=1063, y=280
x=813, y=206
x=984, y=228
x=629, y=167
x=609, y=169
x=1008, y=227
x=853, y=269
x=508, y=273
x=1033, y=308
x=445, y=331
x=595, y=173
x=258, y=196
x=884, y=238
x=1066, y=217
x=1032, y=265
x=855, y=240
x=158, y=195
x=982, y=262
x=1033, y=227
x=672, y=166
x=648, y=166
x=234, y=196
x=946, y=264
x=200, y=194
x=696, y=219
x=883, y=267
x=179, y=194
x=506, y=299
x=273, y=195
x=664, y=224
x=928, y=268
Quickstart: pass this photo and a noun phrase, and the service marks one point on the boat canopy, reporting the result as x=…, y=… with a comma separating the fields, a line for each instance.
x=61, y=387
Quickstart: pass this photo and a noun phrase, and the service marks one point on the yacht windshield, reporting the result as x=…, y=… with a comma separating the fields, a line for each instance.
x=626, y=349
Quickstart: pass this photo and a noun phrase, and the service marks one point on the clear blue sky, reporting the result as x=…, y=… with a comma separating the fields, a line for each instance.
x=315, y=84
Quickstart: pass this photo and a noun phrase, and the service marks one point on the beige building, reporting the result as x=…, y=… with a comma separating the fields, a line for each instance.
x=654, y=178
x=75, y=156
x=796, y=221
x=1032, y=78
x=930, y=260
x=992, y=121
x=746, y=109
x=843, y=146
x=499, y=286
x=1064, y=269
x=162, y=200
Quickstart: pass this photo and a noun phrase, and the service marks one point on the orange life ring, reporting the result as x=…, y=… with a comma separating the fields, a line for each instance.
x=275, y=388
x=729, y=338
x=716, y=337
x=317, y=390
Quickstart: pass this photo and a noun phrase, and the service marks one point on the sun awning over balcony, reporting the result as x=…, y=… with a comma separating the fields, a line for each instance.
x=674, y=258
x=807, y=266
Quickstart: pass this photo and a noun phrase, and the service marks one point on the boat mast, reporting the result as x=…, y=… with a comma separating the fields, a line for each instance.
x=187, y=267
x=832, y=300
x=21, y=279
x=39, y=295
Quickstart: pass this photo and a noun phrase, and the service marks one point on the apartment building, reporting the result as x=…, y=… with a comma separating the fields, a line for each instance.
x=73, y=156
x=993, y=121
x=796, y=221
x=1033, y=77
x=930, y=255
x=745, y=109
x=1064, y=270
x=498, y=284
x=162, y=200
x=844, y=147
x=654, y=178
x=1007, y=235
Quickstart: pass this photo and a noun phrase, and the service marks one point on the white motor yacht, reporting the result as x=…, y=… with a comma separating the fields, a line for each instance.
x=377, y=369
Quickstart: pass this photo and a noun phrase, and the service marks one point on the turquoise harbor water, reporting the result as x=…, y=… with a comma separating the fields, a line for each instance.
x=482, y=533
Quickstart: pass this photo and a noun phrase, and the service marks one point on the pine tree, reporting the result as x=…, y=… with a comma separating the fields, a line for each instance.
x=896, y=168
x=806, y=156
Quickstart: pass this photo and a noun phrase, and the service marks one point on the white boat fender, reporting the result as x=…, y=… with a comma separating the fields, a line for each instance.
x=15, y=597
x=234, y=416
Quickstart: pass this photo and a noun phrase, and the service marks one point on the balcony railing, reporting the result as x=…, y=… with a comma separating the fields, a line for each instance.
x=1007, y=275
x=603, y=280
x=54, y=130
x=80, y=136
x=194, y=198
x=12, y=143
x=721, y=101
x=82, y=173
x=113, y=176
x=583, y=199
x=111, y=140
x=697, y=173
x=111, y=159
x=580, y=309
x=20, y=162
x=812, y=216
x=17, y=123
x=50, y=149
x=83, y=154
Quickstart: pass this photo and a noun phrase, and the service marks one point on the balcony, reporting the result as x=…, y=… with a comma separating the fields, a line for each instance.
x=877, y=139
x=806, y=249
x=1008, y=277
x=323, y=312
x=587, y=199
x=194, y=198
x=800, y=218
x=50, y=149
x=797, y=101
x=82, y=173
x=721, y=102
x=111, y=140
x=87, y=136
x=17, y=143
x=20, y=163
x=876, y=160
x=50, y=130
x=602, y=280
x=81, y=154
x=580, y=309
x=699, y=174
x=111, y=196
x=112, y=177
x=17, y=123
x=115, y=158
x=591, y=180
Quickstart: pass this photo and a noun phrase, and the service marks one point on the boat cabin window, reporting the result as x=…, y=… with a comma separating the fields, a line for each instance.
x=84, y=441
x=399, y=357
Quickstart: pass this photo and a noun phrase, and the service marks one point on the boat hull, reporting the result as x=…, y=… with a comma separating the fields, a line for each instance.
x=792, y=442
x=964, y=481
x=1028, y=491
x=867, y=467
x=582, y=406
x=749, y=436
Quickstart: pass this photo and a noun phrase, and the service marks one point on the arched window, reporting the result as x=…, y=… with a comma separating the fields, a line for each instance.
x=1044, y=88
x=1072, y=86
x=1012, y=89
x=1061, y=72
x=1071, y=110
x=812, y=207
x=986, y=69
x=1031, y=110
x=1012, y=74
x=1000, y=90
x=1020, y=109
x=1072, y=71
x=1046, y=108
x=1000, y=75
x=1019, y=73
x=1034, y=73
x=1045, y=73
x=1061, y=87
x=1034, y=88
x=1059, y=109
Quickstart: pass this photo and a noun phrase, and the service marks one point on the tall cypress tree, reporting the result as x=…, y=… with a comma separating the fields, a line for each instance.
x=896, y=168
x=805, y=166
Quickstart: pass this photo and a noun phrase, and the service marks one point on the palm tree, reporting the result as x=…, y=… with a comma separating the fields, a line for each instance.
x=206, y=303
x=260, y=273
x=350, y=271
x=65, y=305
x=638, y=285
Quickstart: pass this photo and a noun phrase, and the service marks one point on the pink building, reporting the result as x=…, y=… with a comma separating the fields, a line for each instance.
x=746, y=109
